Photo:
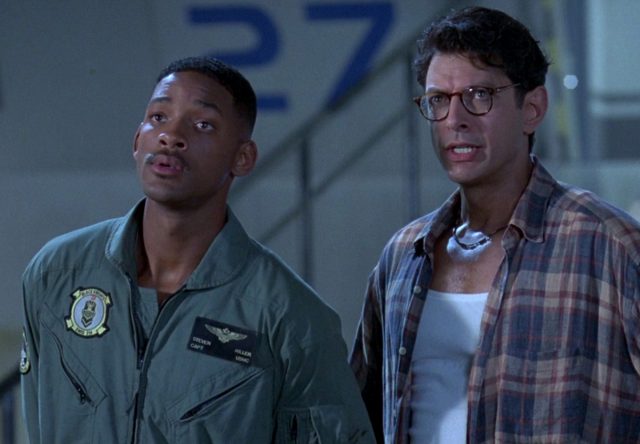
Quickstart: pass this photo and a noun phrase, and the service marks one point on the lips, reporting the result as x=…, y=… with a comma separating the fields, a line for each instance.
x=461, y=152
x=462, y=148
x=166, y=163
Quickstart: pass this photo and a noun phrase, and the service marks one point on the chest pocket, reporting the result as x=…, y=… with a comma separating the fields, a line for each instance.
x=71, y=394
x=234, y=404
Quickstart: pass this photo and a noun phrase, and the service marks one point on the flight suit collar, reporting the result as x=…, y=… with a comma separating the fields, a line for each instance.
x=224, y=259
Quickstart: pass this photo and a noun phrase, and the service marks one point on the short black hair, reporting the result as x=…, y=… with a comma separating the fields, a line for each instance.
x=489, y=36
x=244, y=97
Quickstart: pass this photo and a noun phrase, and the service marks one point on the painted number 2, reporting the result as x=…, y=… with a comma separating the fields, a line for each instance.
x=268, y=41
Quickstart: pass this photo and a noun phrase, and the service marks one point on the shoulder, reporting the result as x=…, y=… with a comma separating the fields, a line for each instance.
x=289, y=298
x=584, y=205
x=590, y=214
x=563, y=202
x=269, y=266
x=66, y=249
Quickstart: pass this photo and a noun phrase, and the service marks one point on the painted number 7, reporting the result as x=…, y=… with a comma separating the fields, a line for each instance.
x=267, y=45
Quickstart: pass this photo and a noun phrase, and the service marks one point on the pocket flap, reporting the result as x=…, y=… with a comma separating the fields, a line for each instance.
x=209, y=393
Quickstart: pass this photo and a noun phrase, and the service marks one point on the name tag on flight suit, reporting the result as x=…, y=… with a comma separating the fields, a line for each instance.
x=222, y=341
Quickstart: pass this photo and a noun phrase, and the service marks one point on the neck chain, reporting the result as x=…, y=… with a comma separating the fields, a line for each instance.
x=485, y=239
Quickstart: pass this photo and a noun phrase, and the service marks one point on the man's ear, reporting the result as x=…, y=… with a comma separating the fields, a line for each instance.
x=135, y=141
x=246, y=158
x=535, y=106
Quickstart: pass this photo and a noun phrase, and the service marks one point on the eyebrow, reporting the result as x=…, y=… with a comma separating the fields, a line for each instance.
x=209, y=105
x=475, y=85
x=202, y=103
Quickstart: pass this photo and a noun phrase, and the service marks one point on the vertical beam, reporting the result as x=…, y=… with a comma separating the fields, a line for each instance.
x=307, y=211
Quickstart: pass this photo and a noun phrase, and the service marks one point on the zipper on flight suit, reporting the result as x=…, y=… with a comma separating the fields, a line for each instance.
x=142, y=346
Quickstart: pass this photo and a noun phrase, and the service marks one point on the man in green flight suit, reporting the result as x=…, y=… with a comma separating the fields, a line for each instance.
x=171, y=324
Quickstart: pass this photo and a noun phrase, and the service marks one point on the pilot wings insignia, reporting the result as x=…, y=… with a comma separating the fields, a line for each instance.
x=225, y=335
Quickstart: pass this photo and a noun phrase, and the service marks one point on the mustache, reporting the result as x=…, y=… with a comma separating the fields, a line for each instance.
x=150, y=158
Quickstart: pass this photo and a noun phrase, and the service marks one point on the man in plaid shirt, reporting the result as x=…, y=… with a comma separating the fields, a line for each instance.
x=512, y=312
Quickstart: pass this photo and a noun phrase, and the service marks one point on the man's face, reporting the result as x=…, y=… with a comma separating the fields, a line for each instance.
x=191, y=142
x=476, y=150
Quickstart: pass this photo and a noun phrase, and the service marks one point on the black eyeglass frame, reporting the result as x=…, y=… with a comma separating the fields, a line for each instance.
x=492, y=91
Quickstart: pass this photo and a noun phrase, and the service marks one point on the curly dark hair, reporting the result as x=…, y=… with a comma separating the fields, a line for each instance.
x=488, y=36
x=244, y=97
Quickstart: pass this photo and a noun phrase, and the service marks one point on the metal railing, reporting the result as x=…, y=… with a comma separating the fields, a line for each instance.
x=298, y=142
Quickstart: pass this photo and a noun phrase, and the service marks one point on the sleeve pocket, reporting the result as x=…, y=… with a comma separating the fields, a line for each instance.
x=324, y=424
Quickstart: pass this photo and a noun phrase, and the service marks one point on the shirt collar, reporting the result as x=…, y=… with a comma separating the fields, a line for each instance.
x=441, y=220
x=121, y=245
x=530, y=212
x=226, y=256
x=528, y=215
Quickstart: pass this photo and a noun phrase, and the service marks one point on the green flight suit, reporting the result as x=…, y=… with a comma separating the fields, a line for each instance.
x=244, y=352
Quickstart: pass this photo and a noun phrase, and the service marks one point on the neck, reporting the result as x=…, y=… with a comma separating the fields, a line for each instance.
x=172, y=244
x=488, y=218
x=488, y=208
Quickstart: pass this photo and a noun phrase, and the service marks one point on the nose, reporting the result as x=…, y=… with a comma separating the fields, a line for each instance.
x=458, y=116
x=172, y=138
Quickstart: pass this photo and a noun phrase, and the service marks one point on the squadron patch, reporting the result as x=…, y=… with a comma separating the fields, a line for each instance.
x=25, y=362
x=222, y=341
x=89, y=311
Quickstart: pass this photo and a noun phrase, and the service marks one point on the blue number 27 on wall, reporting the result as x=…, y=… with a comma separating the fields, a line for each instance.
x=267, y=47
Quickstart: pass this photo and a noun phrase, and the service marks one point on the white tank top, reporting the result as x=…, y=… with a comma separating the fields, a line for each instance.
x=447, y=338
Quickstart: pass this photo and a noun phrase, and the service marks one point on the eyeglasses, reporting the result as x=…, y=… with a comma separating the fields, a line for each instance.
x=478, y=100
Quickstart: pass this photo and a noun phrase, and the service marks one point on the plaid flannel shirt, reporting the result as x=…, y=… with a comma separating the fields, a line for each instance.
x=559, y=354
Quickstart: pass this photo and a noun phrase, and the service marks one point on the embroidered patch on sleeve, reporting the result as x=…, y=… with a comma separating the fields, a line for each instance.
x=25, y=362
x=222, y=341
